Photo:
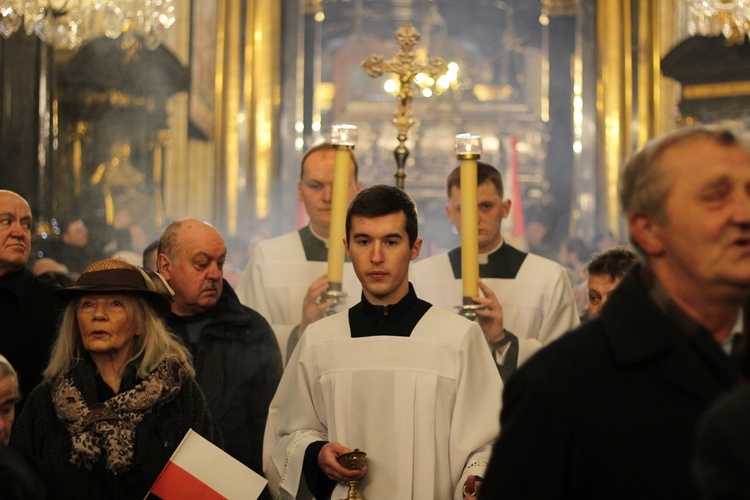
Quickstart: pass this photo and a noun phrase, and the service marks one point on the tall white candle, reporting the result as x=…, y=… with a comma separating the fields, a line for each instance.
x=468, y=150
x=343, y=138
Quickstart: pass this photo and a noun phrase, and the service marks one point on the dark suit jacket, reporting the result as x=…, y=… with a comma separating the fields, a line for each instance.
x=610, y=409
x=29, y=314
x=723, y=448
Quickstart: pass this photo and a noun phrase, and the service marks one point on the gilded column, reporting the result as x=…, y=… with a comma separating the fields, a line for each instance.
x=228, y=85
x=262, y=98
x=614, y=102
x=658, y=31
x=668, y=30
x=248, y=81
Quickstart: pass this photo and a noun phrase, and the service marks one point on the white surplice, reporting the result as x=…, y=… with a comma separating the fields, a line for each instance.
x=538, y=304
x=276, y=280
x=424, y=408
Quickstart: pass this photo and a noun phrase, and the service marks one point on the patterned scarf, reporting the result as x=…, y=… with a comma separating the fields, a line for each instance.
x=111, y=425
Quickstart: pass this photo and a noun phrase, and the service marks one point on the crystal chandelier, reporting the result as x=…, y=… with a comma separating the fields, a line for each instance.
x=730, y=18
x=68, y=23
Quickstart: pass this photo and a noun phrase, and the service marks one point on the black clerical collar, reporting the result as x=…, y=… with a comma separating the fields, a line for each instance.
x=399, y=319
x=484, y=258
x=316, y=248
x=391, y=309
x=503, y=263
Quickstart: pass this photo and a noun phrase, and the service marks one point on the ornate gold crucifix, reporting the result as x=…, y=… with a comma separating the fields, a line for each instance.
x=405, y=65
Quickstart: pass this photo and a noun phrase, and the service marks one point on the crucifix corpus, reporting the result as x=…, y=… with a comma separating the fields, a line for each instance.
x=405, y=65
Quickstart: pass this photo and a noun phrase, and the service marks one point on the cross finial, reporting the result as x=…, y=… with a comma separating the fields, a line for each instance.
x=405, y=65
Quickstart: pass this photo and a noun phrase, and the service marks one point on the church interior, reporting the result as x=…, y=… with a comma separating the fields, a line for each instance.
x=204, y=108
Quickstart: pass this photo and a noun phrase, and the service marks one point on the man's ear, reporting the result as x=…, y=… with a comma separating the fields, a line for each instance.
x=416, y=248
x=647, y=233
x=506, y=208
x=346, y=248
x=164, y=265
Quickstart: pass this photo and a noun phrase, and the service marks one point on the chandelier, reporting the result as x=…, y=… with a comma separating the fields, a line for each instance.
x=68, y=23
x=730, y=18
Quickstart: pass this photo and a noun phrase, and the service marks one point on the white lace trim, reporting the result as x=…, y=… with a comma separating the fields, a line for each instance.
x=290, y=450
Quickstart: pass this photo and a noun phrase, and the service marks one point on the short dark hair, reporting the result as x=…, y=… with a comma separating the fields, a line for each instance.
x=326, y=146
x=614, y=263
x=485, y=172
x=380, y=200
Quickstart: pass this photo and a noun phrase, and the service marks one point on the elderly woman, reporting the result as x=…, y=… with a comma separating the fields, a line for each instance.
x=9, y=395
x=119, y=393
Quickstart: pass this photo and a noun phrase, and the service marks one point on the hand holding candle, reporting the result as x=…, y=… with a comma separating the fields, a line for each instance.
x=343, y=138
x=468, y=150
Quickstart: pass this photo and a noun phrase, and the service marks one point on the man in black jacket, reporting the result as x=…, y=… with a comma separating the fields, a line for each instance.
x=610, y=410
x=235, y=352
x=28, y=309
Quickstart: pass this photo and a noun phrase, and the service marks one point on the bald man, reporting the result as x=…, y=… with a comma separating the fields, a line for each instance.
x=28, y=309
x=236, y=355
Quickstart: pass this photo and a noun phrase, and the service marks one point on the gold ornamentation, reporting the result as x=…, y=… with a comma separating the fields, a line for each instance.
x=353, y=461
x=556, y=8
x=406, y=66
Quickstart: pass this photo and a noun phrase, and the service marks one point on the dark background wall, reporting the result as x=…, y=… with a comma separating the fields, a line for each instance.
x=21, y=71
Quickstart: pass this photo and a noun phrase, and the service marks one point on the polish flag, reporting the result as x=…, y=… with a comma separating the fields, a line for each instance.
x=199, y=469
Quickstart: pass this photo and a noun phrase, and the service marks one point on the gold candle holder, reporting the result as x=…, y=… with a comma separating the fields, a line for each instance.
x=353, y=461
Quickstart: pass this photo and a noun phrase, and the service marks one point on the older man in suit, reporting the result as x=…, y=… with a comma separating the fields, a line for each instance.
x=610, y=410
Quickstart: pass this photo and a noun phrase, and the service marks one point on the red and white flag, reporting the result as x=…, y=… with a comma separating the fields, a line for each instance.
x=199, y=469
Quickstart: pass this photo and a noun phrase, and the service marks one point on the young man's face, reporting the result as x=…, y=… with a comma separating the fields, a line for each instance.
x=380, y=253
x=492, y=209
x=316, y=186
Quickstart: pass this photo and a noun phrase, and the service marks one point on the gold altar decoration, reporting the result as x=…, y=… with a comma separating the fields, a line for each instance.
x=406, y=66
x=353, y=461
x=120, y=183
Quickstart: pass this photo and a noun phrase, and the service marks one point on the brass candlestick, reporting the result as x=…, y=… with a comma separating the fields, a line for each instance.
x=337, y=295
x=353, y=461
